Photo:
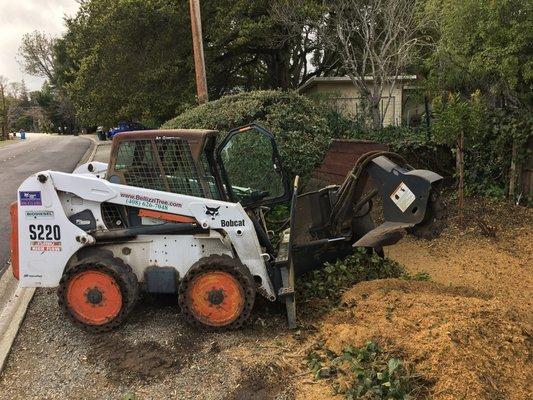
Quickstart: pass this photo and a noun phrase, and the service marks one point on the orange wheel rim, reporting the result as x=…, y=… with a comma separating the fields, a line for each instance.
x=216, y=298
x=94, y=297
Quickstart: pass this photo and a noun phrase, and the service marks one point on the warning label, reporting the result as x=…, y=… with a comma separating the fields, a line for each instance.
x=42, y=246
x=403, y=197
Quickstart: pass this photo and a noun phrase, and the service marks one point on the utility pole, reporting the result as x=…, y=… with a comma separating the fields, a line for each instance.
x=5, y=132
x=198, y=47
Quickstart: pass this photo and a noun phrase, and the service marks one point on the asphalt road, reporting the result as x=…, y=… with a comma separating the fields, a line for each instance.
x=18, y=161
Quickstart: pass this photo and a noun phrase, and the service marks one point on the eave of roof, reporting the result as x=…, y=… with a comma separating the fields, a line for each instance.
x=335, y=79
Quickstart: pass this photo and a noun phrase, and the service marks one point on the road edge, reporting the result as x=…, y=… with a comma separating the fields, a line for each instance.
x=12, y=318
x=12, y=315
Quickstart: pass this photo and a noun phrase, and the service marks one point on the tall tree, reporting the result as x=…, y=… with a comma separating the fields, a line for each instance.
x=132, y=59
x=251, y=45
x=483, y=45
x=376, y=39
x=37, y=54
x=128, y=59
x=43, y=56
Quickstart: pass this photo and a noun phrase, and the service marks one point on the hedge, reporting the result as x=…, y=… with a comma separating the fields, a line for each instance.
x=299, y=124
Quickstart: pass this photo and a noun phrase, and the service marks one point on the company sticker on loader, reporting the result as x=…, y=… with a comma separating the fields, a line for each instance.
x=45, y=238
x=43, y=246
x=34, y=214
x=143, y=201
x=30, y=199
x=403, y=197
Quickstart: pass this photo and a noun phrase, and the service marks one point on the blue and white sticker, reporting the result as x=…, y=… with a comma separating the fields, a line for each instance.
x=30, y=199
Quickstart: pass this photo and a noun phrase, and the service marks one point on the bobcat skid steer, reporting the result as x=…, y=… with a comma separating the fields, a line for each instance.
x=174, y=213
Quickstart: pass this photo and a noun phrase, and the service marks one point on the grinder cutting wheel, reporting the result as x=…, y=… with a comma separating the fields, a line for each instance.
x=174, y=213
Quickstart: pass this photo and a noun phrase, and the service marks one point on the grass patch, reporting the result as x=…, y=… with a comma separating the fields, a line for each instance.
x=6, y=142
x=367, y=373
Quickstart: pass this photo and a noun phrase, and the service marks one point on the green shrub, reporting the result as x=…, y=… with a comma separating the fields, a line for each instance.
x=300, y=126
x=331, y=281
x=367, y=373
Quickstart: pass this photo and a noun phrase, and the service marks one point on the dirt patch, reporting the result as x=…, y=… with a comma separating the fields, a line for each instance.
x=142, y=361
x=498, y=265
x=263, y=382
x=469, y=331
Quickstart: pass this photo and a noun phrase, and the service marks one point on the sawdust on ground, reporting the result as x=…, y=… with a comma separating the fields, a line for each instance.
x=469, y=331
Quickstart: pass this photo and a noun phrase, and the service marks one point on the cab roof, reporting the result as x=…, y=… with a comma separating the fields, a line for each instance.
x=152, y=133
x=195, y=137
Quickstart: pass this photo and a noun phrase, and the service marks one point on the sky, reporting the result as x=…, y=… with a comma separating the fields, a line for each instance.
x=18, y=17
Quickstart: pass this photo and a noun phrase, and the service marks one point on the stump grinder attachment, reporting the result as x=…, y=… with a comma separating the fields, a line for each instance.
x=173, y=212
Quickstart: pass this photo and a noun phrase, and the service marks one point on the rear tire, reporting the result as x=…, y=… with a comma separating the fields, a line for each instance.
x=217, y=293
x=98, y=295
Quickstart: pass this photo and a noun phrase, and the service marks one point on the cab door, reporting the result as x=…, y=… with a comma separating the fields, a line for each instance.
x=251, y=167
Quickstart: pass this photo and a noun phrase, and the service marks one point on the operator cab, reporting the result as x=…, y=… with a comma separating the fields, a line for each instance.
x=246, y=167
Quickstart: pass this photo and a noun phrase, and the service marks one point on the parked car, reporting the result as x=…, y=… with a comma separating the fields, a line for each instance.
x=125, y=127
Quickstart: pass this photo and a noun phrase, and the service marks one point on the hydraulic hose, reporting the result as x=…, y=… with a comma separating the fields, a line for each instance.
x=344, y=205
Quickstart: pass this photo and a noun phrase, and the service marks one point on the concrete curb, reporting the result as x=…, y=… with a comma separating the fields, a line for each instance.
x=13, y=313
x=17, y=299
x=91, y=151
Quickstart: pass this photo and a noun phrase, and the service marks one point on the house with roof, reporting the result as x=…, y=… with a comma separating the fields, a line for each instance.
x=405, y=105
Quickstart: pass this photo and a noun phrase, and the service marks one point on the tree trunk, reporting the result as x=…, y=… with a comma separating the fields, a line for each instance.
x=461, y=169
x=279, y=70
x=512, y=172
x=376, y=114
x=5, y=132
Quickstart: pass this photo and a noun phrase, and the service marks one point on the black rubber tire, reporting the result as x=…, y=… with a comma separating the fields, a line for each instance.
x=222, y=263
x=436, y=217
x=123, y=275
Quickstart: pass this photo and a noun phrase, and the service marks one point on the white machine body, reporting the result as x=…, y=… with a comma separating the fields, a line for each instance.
x=49, y=241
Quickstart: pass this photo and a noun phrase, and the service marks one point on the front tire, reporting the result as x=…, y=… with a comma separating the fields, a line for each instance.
x=217, y=293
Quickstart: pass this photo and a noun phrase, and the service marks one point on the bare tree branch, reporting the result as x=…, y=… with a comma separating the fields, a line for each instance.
x=376, y=40
x=37, y=54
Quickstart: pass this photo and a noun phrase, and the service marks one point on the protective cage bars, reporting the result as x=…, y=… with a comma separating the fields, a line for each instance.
x=162, y=164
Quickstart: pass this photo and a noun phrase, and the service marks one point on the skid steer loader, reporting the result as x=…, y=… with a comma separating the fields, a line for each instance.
x=174, y=213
